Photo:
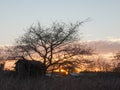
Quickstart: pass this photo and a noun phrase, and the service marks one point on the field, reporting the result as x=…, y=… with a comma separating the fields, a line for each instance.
x=88, y=81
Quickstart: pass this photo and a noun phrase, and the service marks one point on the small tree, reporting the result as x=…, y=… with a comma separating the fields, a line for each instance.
x=116, y=62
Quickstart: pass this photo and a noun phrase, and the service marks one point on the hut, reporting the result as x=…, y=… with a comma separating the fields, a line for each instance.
x=30, y=67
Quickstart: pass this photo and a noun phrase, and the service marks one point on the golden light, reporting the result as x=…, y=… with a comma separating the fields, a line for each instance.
x=77, y=70
x=60, y=70
x=63, y=71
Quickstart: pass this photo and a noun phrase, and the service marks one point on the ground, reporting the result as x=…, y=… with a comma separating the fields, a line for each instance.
x=84, y=82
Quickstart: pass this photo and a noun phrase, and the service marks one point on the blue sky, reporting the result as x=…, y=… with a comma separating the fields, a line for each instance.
x=17, y=15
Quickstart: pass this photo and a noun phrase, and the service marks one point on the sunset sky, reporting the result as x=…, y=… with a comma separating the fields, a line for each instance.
x=17, y=15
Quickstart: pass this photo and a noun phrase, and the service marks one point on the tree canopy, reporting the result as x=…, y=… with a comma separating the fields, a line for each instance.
x=53, y=46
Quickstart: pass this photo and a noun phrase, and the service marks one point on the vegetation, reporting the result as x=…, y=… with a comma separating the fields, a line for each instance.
x=43, y=50
x=116, y=62
x=46, y=43
x=84, y=82
x=54, y=46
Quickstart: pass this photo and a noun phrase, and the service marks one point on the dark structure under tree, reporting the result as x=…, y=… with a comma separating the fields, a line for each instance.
x=30, y=67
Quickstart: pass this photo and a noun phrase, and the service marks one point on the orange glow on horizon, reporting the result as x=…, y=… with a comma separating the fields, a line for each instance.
x=60, y=70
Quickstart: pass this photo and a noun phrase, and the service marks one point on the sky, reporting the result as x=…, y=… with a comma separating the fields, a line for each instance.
x=17, y=15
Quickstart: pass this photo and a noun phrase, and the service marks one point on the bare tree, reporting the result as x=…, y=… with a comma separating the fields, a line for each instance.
x=5, y=53
x=116, y=62
x=47, y=43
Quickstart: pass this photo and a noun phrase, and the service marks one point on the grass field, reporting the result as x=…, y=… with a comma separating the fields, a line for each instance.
x=84, y=82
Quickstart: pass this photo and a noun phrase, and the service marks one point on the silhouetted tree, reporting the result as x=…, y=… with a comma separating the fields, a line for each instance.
x=47, y=42
x=116, y=62
x=8, y=53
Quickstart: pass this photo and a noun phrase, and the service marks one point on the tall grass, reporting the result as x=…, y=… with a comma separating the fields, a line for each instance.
x=9, y=81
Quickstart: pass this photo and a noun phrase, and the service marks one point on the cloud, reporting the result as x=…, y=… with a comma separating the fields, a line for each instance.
x=113, y=39
x=105, y=46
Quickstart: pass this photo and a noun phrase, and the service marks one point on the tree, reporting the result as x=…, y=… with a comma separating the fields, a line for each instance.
x=8, y=53
x=116, y=62
x=46, y=43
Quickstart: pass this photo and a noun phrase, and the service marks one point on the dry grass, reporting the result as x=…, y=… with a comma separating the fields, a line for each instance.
x=9, y=81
